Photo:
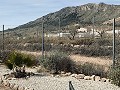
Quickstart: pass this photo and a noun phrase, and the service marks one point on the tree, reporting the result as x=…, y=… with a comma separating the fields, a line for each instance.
x=73, y=31
x=101, y=31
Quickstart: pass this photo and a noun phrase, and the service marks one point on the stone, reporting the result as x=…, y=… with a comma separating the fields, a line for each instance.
x=5, y=83
x=21, y=88
x=57, y=76
x=62, y=72
x=15, y=87
x=103, y=79
x=73, y=75
x=11, y=85
x=97, y=78
x=93, y=77
x=87, y=78
x=107, y=80
x=80, y=76
x=68, y=74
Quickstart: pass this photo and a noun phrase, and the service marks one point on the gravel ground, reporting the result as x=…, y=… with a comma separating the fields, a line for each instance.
x=62, y=83
x=42, y=82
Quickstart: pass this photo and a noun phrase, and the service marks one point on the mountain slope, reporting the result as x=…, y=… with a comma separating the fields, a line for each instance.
x=80, y=14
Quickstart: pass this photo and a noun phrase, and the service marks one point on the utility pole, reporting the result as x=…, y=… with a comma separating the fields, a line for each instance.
x=43, y=39
x=113, y=42
x=3, y=38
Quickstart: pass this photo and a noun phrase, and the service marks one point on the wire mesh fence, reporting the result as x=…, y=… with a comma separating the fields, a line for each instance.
x=92, y=48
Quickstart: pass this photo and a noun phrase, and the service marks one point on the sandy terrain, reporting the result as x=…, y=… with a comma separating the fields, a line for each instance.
x=79, y=58
x=97, y=60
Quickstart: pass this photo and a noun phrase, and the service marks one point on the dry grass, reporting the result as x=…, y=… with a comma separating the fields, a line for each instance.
x=81, y=59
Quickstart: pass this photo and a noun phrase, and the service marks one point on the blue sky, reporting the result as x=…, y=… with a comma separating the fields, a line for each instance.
x=18, y=12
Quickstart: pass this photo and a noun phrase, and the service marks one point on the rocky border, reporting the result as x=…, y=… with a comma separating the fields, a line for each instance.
x=13, y=86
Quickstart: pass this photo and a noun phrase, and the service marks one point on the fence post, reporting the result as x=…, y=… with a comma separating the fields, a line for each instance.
x=43, y=40
x=71, y=86
x=113, y=42
x=3, y=38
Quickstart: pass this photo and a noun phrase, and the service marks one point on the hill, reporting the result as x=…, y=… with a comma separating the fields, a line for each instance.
x=80, y=14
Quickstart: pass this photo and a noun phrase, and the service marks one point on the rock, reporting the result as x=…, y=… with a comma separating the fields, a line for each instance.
x=15, y=87
x=68, y=74
x=80, y=76
x=62, y=72
x=5, y=83
x=87, y=78
x=21, y=88
x=11, y=85
x=97, y=78
x=93, y=77
x=73, y=75
x=57, y=76
x=107, y=80
x=14, y=78
x=103, y=79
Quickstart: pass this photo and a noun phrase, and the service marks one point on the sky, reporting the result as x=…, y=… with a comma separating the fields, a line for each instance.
x=17, y=12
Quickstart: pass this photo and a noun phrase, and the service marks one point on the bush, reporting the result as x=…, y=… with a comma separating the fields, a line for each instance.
x=92, y=69
x=114, y=75
x=58, y=61
x=4, y=55
x=19, y=59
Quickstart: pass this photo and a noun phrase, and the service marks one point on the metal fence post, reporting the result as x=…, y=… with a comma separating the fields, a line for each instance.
x=3, y=38
x=43, y=40
x=71, y=86
x=113, y=42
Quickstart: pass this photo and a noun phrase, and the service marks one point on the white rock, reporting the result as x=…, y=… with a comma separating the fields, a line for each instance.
x=15, y=87
x=93, y=77
x=87, y=78
x=73, y=75
x=57, y=76
x=68, y=74
x=80, y=76
x=103, y=79
x=62, y=72
x=107, y=80
x=5, y=83
x=11, y=85
x=97, y=78
x=21, y=88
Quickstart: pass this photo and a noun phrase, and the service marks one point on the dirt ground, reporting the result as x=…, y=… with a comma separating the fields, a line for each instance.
x=79, y=58
x=95, y=60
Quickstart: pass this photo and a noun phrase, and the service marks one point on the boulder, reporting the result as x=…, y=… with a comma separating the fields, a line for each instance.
x=11, y=85
x=93, y=77
x=57, y=76
x=107, y=80
x=80, y=76
x=67, y=74
x=73, y=75
x=103, y=79
x=5, y=83
x=15, y=87
x=87, y=78
x=62, y=72
x=97, y=78
x=21, y=88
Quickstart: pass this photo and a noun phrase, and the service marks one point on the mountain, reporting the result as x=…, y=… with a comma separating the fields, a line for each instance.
x=83, y=15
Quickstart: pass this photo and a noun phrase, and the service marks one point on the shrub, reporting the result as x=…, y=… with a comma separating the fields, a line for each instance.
x=114, y=75
x=58, y=61
x=19, y=59
x=4, y=55
x=92, y=69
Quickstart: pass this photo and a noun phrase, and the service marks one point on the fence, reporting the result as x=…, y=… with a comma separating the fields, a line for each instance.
x=83, y=43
